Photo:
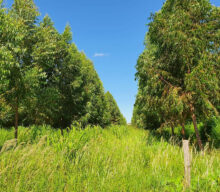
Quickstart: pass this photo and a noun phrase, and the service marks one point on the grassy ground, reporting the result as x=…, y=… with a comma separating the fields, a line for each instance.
x=116, y=159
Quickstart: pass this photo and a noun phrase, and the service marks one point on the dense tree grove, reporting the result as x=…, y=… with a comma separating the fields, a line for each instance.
x=44, y=79
x=179, y=70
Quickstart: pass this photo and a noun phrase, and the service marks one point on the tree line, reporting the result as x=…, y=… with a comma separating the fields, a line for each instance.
x=44, y=78
x=178, y=73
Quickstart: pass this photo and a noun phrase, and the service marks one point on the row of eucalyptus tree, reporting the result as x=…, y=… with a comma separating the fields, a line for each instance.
x=44, y=79
x=179, y=70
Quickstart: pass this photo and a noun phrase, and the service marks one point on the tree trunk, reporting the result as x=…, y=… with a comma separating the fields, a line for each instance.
x=61, y=125
x=62, y=131
x=192, y=110
x=172, y=128
x=16, y=119
x=183, y=131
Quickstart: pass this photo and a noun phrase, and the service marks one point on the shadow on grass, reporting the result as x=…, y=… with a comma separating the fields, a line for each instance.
x=176, y=139
x=166, y=136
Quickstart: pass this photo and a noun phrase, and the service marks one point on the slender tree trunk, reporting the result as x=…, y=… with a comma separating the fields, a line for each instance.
x=62, y=131
x=172, y=128
x=183, y=131
x=192, y=110
x=16, y=118
x=61, y=126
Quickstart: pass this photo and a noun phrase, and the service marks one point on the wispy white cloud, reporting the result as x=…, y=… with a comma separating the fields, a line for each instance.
x=100, y=55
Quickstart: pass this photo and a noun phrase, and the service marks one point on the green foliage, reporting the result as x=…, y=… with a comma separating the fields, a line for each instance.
x=5, y=111
x=115, y=116
x=210, y=131
x=115, y=159
x=95, y=105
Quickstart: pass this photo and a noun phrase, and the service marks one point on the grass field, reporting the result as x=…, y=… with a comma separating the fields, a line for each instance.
x=119, y=159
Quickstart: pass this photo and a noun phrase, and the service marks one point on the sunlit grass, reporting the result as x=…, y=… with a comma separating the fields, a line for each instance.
x=116, y=159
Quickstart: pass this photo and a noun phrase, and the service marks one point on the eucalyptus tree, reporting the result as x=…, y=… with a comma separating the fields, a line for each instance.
x=4, y=106
x=59, y=96
x=71, y=82
x=49, y=54
x=93, y=96
x=146, y=112
x=17, y=39
x=154, y=107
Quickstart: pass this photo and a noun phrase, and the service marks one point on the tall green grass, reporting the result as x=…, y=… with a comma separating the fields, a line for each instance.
x=119, y=158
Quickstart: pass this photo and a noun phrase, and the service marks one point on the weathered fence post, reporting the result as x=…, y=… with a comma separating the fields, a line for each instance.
x=187, y=163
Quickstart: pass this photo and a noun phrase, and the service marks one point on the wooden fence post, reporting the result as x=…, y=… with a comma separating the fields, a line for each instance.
x=187, y=163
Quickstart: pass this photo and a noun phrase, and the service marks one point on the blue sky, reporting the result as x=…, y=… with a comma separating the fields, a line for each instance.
x=111, y=33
